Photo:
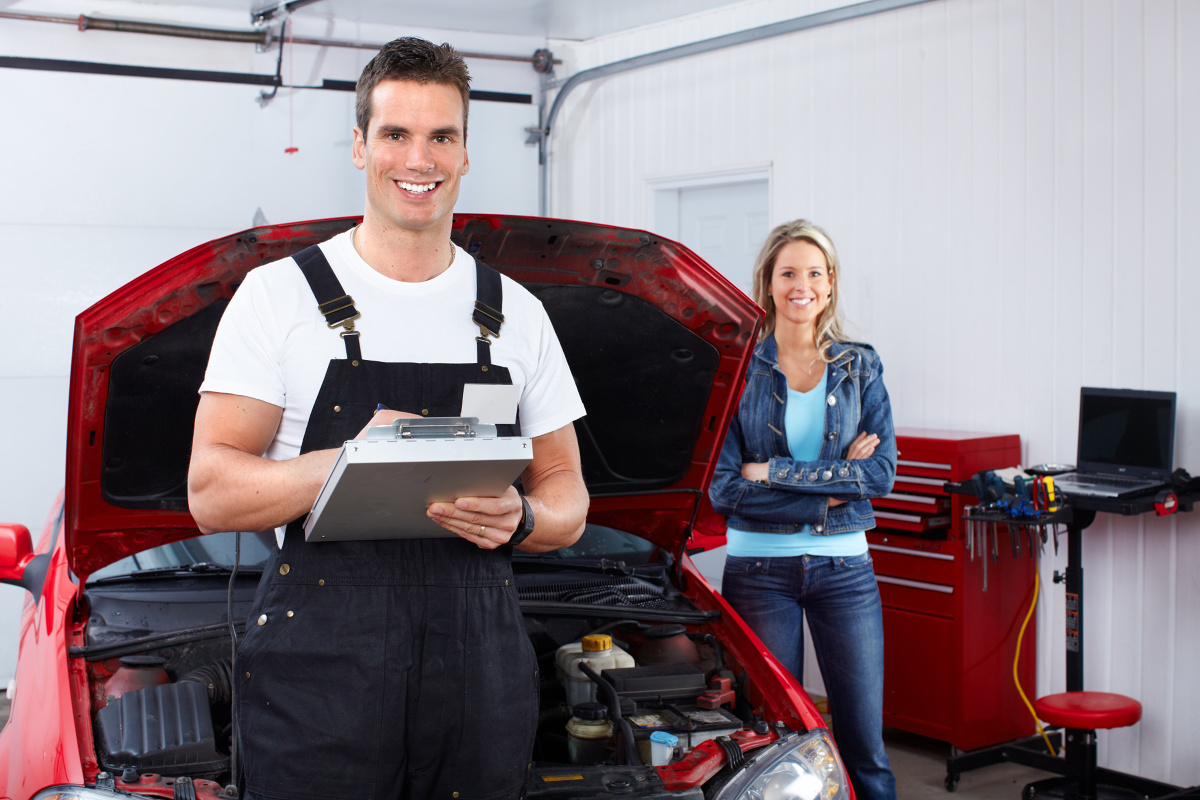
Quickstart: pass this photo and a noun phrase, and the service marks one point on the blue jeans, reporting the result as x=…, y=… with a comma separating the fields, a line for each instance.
x=841, y=598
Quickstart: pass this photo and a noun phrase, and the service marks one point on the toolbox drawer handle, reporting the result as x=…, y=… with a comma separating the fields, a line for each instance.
x=923, y=464
x=929, y=587
x=906, y=552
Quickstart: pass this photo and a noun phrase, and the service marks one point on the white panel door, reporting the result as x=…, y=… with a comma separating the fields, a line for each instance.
x=725, y=225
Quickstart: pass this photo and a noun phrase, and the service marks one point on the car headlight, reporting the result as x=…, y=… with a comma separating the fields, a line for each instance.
x=803, y=768
x=79, y=793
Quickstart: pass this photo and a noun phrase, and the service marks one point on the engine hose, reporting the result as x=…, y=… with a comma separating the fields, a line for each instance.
x=733, y=751
x=217, y=678
x=613, y=701
x=718, y=652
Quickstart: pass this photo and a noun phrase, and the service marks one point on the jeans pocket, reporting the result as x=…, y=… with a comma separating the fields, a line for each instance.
x=860, y=561
x=747, y=565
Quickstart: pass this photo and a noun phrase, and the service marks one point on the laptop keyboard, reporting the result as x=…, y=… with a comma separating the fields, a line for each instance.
x=1107, y=480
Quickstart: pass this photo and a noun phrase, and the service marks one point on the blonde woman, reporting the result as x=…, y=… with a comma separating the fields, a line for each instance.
x=811, y=442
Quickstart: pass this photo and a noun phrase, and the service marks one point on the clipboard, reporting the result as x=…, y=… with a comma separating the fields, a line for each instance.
x=380, y=486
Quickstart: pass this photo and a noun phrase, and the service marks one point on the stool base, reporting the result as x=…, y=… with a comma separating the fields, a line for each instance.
x=1064, y=789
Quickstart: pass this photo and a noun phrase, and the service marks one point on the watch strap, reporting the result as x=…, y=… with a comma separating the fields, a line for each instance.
x=526, y=527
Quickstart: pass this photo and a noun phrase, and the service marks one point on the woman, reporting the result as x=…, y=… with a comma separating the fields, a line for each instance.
x=812, y=440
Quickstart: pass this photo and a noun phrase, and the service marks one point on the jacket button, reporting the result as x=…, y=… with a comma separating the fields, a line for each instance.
x=832, y=400
x=291, y=614
x=783, y=473
x=831, y=436
x=812, y=476
x=337, y=409
x=826, y=475
x=284, y=569
x=262, y=620
x=818, y=528
x=843, y=472
x=321, y=582
x=424, y=412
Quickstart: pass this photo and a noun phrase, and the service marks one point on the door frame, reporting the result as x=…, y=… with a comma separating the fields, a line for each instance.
x=664, y=192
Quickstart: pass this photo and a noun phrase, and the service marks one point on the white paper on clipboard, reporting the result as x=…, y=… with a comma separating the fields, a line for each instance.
x=491, y=403
x=380, y=487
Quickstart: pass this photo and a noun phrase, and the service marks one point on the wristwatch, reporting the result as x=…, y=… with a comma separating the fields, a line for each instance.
x=526, y=527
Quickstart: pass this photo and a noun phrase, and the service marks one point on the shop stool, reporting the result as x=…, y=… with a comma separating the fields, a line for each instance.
x=1082, y=714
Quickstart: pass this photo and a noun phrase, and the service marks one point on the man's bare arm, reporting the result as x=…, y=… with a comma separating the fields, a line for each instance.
x=556, y=492
x=231, y=487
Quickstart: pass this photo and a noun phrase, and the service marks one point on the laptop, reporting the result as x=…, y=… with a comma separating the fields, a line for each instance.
x=1126, y=443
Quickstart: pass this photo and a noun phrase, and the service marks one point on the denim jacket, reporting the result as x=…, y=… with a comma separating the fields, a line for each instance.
x=797, y=492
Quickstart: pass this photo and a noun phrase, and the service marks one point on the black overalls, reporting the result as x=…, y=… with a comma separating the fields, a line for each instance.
x=386, y=669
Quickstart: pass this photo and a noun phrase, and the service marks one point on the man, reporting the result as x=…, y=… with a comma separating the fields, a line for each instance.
x=399, y=668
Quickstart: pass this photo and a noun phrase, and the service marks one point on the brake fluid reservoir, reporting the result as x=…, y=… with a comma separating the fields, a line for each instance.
x=598, y=652
x=589, y=734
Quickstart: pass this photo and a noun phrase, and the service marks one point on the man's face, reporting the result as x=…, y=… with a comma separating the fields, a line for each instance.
x=414, y=154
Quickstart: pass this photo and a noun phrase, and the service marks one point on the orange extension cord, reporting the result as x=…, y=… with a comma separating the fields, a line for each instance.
x=1017, y=658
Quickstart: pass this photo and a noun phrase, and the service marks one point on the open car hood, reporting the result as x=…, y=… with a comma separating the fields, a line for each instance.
x=657, y=341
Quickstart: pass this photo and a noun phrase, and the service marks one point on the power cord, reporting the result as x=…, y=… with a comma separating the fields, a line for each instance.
x=1017, y=659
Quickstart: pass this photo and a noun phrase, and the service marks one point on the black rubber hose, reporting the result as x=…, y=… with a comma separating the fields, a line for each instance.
x=613, y=701
x=217, y=678
x=718, y=652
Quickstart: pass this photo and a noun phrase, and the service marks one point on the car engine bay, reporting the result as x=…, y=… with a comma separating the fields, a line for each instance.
x=637, y=696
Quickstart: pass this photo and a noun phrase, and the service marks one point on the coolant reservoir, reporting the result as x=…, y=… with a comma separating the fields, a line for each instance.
x=598, y=652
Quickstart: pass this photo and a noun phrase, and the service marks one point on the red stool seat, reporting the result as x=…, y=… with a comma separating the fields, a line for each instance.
x=1088, y=710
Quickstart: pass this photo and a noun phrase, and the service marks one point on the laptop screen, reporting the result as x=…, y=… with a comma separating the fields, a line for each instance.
x=1126, y=431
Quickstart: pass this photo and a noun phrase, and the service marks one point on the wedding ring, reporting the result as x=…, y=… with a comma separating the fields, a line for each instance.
x=482, y=530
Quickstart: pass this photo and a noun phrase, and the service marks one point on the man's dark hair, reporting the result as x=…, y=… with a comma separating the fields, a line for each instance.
x=411, y=59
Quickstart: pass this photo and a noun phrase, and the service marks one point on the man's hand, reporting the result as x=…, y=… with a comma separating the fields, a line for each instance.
x=385, y=416
x=556, y=493
x=486, y=522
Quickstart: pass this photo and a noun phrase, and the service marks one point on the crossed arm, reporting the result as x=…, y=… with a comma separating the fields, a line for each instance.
x=232, y=487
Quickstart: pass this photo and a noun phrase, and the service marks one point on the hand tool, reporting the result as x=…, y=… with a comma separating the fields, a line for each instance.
x=995, y=542
x=1015, y=539
x=983, y=554
x=1051, y=505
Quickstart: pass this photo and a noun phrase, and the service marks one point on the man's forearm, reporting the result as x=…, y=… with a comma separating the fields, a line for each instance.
x=559, y=504
x=231, y=490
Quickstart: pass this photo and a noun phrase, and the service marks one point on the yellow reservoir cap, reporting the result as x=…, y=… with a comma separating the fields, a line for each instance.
x=595, y=642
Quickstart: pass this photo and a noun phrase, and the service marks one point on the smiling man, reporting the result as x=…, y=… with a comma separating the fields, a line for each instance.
x=398, y=668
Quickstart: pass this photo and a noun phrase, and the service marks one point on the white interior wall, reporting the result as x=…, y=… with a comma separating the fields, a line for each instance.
x=105, y=177
x=1013, y=186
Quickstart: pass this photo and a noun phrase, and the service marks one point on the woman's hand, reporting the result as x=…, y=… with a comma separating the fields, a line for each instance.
x=863, y=446
x=759, y=472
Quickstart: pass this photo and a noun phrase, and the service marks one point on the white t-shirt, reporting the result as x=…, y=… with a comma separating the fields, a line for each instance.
x=273, y=344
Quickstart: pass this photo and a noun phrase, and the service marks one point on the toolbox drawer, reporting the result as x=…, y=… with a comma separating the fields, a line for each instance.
x=910, y=501
x=926, y=597
x=917, y=565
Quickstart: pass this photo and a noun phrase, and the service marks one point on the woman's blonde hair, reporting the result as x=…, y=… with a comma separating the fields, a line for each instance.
x=829, y=326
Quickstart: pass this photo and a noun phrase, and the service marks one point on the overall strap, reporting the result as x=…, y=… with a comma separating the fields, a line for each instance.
x=332, y=301
x=489, y=300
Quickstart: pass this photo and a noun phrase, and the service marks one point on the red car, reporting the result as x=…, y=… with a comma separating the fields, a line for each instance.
x=123, y=680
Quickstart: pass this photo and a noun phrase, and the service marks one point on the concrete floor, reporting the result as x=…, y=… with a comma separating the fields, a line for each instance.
x=920, y=768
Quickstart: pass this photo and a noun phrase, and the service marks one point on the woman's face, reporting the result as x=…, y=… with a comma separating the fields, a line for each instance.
x=800, y=283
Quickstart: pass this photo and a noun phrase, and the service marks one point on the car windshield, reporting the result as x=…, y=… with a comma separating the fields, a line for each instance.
x=218, y=550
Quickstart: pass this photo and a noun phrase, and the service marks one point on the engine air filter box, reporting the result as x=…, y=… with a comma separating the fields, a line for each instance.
x=164, y=729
